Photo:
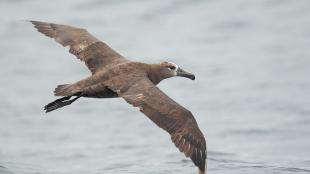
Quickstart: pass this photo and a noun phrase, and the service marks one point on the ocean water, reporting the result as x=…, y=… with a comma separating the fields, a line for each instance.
x=251, y=95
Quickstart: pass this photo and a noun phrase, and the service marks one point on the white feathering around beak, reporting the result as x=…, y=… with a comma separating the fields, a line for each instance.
x=176, y=68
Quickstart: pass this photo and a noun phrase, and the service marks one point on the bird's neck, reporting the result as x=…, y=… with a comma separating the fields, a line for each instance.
x=154, y=73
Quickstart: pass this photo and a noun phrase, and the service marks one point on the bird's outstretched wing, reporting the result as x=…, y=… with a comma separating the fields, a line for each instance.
x=169, y=115
x=95, y=53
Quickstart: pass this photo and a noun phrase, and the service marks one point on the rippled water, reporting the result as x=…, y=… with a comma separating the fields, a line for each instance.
x=251, y=97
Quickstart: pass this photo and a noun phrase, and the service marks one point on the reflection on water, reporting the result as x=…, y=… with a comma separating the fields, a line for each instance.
x=251, y=97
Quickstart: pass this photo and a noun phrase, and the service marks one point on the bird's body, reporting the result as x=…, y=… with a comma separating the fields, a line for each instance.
x=115, y=76
x=96, y=86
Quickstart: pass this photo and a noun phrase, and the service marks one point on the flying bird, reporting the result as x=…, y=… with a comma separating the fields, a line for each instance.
x=115, y=76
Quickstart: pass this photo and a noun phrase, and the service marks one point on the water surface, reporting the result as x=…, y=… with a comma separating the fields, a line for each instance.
x=251, y=94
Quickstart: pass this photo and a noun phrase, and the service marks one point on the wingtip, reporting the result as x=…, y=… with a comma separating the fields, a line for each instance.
x=201, y=172
x=35, y=23
x=31, y=21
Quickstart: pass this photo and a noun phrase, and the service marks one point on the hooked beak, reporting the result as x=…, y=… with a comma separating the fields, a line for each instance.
x=182, y=73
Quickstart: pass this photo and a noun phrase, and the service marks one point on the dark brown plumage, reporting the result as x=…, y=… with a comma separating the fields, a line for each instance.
x=115, y=76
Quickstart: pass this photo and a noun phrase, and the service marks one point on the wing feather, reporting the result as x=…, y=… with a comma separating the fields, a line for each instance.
x=170, y=116
x=95, y=53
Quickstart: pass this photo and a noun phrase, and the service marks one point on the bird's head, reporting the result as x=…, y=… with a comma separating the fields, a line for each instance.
x=170, y=69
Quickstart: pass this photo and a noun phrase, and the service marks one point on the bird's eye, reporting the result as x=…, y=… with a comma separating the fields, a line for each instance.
x=172, y=67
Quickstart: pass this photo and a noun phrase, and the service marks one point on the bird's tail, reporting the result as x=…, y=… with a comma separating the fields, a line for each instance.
x=65, y=90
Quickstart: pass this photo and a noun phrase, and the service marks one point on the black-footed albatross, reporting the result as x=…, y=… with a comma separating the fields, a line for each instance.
x=115, y=76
